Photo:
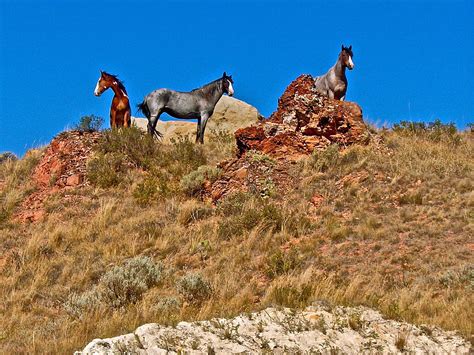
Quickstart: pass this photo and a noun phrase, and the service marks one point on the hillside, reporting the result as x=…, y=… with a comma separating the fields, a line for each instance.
x=324, y=210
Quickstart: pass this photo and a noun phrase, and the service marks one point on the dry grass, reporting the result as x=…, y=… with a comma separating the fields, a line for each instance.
x=393, y=231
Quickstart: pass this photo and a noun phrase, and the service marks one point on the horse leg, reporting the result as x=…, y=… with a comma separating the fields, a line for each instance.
x=204, y=119
x=127, y=120
x=152, y=121
x=198, y=131
x=113, y=118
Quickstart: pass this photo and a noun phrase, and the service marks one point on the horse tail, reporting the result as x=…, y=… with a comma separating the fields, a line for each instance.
x=143, y=107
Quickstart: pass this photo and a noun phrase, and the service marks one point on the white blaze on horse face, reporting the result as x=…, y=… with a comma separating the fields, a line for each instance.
x=96, y=91
x=350, y=65
x=230, y=90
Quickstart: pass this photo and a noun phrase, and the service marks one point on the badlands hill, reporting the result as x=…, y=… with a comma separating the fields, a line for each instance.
x=276, y=237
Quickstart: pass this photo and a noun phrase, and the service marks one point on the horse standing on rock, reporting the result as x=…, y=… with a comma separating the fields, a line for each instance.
x=196, y=104
x=120, y=114
x=333, y=84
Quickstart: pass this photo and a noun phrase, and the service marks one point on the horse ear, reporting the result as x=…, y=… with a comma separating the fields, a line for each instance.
x=224, y=75
x=350, y=47
x=342, y=47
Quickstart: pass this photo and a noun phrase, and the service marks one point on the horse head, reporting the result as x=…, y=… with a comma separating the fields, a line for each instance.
x=346, y=57
x=227, y=84
x=105, y=81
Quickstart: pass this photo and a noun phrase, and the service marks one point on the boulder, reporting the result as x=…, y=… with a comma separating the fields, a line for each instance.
x=230, y=114
x=303, y=121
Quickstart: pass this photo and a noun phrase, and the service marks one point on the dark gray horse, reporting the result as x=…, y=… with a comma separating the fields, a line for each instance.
x=334, y=83
x=197, y=104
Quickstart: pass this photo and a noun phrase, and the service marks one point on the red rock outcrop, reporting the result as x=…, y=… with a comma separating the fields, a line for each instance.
x=304, y=121
x=62, y=165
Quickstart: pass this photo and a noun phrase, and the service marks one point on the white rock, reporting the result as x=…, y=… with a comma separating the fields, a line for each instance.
x=285, y=331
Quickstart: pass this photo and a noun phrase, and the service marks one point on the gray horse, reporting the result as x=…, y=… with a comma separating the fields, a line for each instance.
x=334, y=83
x=197, y=104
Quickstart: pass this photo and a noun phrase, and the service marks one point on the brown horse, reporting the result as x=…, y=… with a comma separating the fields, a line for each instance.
x=120, y=115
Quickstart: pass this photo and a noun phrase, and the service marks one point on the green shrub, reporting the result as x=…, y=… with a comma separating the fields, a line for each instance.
x=183, y=156
x=257, y=157
x=435, y=131
x=243, y=216
x=234, y=204
x=89, y=123
x=106, y=170
x=138, y=149
x=193, y=182
x=229, y=228
x=167, y=306
x=79, y=304
x=194, y=288
x=323, y=160
x=151, y=188
x=126, y=284
x=279, y=263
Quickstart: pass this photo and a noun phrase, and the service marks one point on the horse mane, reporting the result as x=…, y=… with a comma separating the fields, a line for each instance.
x=209, y=88
x=119, y=82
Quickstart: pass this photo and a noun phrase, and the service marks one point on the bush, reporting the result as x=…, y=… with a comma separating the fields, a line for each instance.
x=323, y=160
x=7, y=156
x=78, y=304
x=280, y=263
x=234, y=204
x=192, y=211
x=151, y=188
x=194, y=288
x=167, y=305
x=137, y=148
x=126, y=284
x=89, y=123
x=435, y=131
x=243, y=216
x=193, y=182
x=106, y=170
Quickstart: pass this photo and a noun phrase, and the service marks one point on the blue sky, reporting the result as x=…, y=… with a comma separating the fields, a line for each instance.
x=413, y=59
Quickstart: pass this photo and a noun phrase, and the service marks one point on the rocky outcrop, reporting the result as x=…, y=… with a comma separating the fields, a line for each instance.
x=318, y=329
x=62, y=165
x=304, y=121
x=229, y=115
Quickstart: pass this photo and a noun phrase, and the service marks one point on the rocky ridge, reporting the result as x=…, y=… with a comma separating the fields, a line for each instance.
x=304, y=121
x=318, y=329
